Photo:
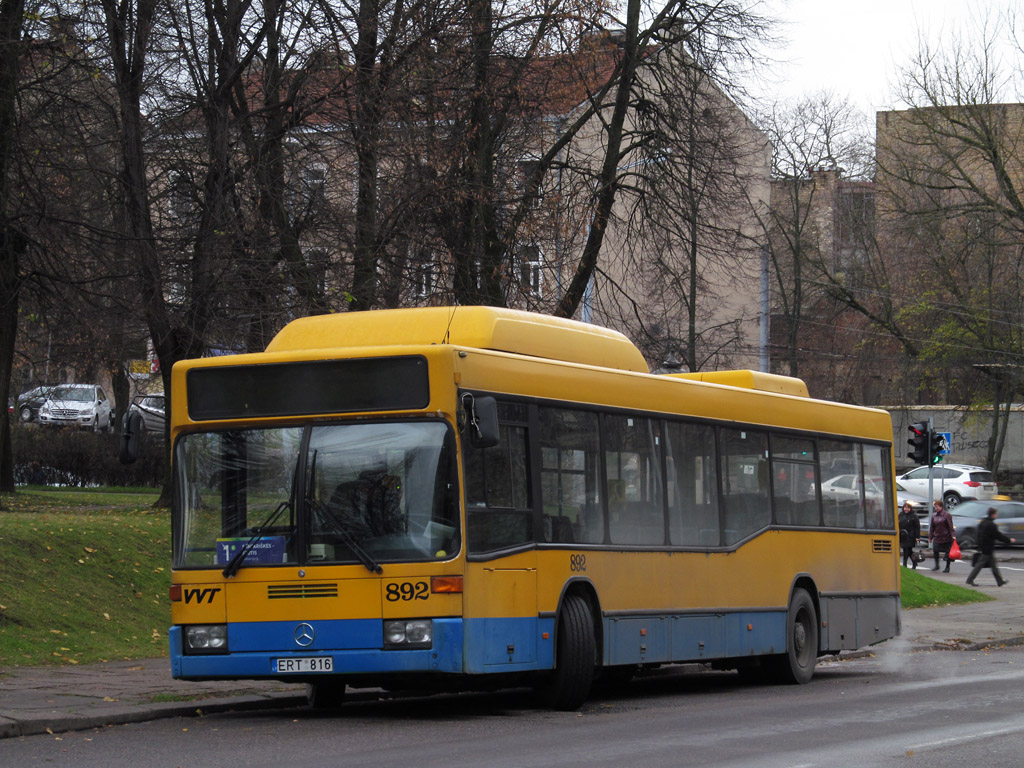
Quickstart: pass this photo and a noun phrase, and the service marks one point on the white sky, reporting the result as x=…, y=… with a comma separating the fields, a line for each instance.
x=855, y=48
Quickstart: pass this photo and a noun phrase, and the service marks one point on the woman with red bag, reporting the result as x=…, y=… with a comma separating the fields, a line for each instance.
x=940, y=533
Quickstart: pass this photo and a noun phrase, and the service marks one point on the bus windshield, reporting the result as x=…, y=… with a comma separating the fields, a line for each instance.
x=335, y=493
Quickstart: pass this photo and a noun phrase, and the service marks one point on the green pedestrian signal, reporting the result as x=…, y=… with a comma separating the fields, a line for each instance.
x=936, y=445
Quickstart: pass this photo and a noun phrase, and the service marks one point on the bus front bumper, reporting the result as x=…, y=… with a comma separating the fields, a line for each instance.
x=247, y=662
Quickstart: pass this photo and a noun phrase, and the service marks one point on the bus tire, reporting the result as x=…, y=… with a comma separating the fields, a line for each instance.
x=568, y=686
x=328, y=694
x=796, y=665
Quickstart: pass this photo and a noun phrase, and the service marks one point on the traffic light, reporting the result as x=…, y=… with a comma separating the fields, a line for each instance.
x=919, y=440
x=936, y=445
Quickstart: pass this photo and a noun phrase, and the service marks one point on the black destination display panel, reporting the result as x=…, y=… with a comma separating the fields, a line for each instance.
x=305, y=388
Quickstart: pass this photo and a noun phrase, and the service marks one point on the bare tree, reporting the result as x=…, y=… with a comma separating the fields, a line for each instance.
x=696, y=163
x=951, y=204
x=817, y=143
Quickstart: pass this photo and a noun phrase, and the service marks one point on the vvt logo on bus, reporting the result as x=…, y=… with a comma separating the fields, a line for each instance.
x=200, y=595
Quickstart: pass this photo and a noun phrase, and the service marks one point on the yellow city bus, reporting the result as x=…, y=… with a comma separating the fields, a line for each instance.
x=445, y=497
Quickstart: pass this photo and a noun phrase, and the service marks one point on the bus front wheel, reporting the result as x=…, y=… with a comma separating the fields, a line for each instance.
x=796, y=665
x=569, y=684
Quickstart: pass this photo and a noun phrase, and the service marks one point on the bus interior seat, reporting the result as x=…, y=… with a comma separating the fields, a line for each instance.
x=561, y=529
x=783, y=510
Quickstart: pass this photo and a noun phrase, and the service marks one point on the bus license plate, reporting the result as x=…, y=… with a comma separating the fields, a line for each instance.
x=303, y=664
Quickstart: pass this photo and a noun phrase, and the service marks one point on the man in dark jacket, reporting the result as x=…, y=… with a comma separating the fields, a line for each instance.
x=988, y=535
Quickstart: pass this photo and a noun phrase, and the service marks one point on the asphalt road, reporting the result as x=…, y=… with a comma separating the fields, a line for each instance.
x=940, y=708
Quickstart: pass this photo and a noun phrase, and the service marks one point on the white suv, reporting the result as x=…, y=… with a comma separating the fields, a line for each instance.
x=80, y=405
x=952, y=483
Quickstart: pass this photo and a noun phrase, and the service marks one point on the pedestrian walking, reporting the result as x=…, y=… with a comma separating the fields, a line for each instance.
x=910, y=532
x=940, y=533
x=988, y=535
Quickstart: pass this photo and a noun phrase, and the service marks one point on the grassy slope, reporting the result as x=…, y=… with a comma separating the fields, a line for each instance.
x=83, y=576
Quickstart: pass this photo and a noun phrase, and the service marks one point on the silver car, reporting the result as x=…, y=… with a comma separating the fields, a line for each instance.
x=77, y=405
x=152, y=409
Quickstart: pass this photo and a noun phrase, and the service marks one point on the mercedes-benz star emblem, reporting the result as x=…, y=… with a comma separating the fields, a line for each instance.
x=304, y=634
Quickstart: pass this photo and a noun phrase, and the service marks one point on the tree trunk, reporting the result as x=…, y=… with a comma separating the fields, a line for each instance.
x=12, y=243
x=608, y=179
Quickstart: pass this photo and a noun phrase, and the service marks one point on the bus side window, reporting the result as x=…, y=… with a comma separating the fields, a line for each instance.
x=570, y=471
x=633, y=468
x=877, y=488
x=794, y=489
x=746, y=504
x=498, y=511
x=693, y=485
x=841, y=463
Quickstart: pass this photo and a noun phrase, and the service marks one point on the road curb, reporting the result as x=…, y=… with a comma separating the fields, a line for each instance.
x=985, y=645
x=56, y=723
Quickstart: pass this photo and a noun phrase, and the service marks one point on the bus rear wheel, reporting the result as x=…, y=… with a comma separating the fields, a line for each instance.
x=328, y=694
x=796, y=665
x=569, y=684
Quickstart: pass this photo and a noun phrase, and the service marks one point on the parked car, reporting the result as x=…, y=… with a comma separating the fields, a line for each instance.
x=917, y=502
x=152, y=410
x=952, y=483
x=967, y=516
x=82, y=405
x=29, y=403
x=848, y=487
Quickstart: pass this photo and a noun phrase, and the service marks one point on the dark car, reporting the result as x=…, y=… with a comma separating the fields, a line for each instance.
x=152, y=409
x=29, y=403
x=966, y=516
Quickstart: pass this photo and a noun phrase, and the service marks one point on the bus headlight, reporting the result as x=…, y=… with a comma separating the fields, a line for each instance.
x=409, y=633
x=206, y=638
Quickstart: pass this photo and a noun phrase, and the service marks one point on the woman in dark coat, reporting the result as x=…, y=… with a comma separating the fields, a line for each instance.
x=941, y=533
x=910, y=532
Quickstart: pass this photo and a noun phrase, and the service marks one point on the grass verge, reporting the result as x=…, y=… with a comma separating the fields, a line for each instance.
x=920, y=591
x=83, y=576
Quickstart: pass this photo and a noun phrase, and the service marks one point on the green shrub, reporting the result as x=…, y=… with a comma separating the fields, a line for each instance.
x=46, y=455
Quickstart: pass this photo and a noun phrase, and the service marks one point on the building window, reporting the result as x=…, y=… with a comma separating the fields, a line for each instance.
x=180, y=199
x=308, y=195
x=526, y=169
x=424, y=278
x=530, y=275
x=317, y=262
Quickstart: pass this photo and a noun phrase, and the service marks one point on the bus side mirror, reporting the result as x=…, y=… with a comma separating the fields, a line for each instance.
x=482, y=420
x=131, y=431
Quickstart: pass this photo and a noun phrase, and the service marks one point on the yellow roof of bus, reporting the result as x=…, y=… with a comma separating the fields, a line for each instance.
x=496, y=328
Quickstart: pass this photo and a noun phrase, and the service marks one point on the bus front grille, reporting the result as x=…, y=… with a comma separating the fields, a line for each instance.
x=282, y=591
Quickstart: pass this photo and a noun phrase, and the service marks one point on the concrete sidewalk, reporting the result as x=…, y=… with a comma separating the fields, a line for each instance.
x=37, y=700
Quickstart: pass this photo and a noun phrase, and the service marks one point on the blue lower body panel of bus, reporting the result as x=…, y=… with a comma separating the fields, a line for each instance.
x=477, y=646
x=631, y=639
x=354, y=646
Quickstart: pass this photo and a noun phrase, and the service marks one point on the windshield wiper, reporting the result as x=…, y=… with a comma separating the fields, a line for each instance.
x=236, y=561
x=361, y=554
